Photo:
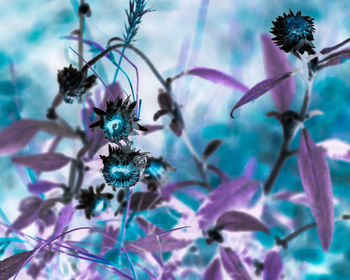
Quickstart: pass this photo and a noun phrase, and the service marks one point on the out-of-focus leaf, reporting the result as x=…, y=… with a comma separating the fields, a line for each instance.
x=276, y=62
x=141, y=201
x=213, y=272
x=334, y=59
x=240, y=221
x=273, y=266
x=229, y=195
x=42, y=186
x=152, y=128
x=314, y=174
x=259, y=89
x=299, y=198
x=43, y=162
x=233, y=265
x=169, y=189
x=333, y=48
x=10, y=266
x=64, y=218
x=217, y=76
x=147, y=227
x=27, y=218
x=336, y=149
x=211, y=148
x=154, y=243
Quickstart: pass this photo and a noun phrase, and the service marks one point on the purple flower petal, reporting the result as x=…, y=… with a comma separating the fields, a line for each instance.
x=42, y=186
x=276, y=62
x=213, y=272
x=64, y=218
x=233, y=265
x=43, y=162
x=314, y=174
x=169, y=189
x=217, y=76
x=17, y=135
x=232, y=194
x=240, y=221
x=10, y=266
x=330, y=49
x=336, y=149
x=273, y=266
x=259, y=89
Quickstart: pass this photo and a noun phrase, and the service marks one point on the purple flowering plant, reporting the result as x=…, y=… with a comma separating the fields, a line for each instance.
x=114, y=184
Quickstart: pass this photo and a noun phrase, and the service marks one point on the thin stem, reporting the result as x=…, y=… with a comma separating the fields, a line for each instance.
x=80, y=42
x=306, y=100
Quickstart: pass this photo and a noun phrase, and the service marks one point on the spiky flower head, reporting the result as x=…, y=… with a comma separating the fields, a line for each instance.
x=294, y=32
x=73, y=83
x=123, y=166
x=119, y=121
x=156, y=172
x=93, y=202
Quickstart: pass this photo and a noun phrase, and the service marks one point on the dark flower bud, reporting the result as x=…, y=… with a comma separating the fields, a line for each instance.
x=259, y=267
x=215, y=235
x=84, y=10
x=51, y=114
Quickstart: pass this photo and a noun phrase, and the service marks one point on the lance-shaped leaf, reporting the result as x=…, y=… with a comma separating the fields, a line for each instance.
x=229, y=195
x=217, y=76
x=276, y=62
x=169, y=189
x=333, y=48
x=259, y=89
x=151, y=128
x=64, y=218
x=239, y=221
x=299, y=198
x=213, y=271
x=141, y=201
x=273, y=266
x=154, y=243
x=211, y=148
x=233, y=265
x=10, y=266
x=314, y=174
x=335, y=58
x=42, y=186
x=336, y=149
x=30, y=208
x=43, y=162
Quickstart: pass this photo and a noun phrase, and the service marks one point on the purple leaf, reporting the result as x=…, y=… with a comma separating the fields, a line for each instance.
x=276, y=62
x=169, y=189
x=147, y=227
x=233, y=265
x=42, y=186
x=211, y=148
x=299, y=198
x=29, y=213
x=141, y=201
x=231, y=194
x=64, y=218
x=273, y=266
x=162, y=242
x=314, y=174
x=336, y=149
x=334, y=59
x=213, y=272
x=259, y=89
x=330, y=49
x=240, y=221
x=152, y=128
x=10, y=266
x=17, y=135
x=217, y=76
x=43, y=162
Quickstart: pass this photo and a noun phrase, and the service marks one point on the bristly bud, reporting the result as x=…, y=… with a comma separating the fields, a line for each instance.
x=294, y=32
x=84, y=10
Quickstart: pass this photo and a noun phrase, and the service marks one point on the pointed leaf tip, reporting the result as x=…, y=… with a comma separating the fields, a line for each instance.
x=10, y=266
x=213, y=271
x=273, y=266
x=315, y=176
x=233, y=264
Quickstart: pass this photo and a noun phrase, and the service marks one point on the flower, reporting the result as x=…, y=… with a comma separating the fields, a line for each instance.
x=294, y=33
x=155, y=173
x=119, y=121
x=123, y=166
x=93, y=203
x=73, y=83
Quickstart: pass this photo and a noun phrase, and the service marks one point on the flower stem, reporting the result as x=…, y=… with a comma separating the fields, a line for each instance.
x=80, y=42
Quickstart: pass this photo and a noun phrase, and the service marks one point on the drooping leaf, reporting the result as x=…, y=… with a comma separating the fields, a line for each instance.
x=259, y=89
x=233, y=265
x=240, y=221
x=10, y=266
x=213, y=271
x=229, y=195
x=17, y=135
x=169, y=189
x=211, y=148
x=336, y=149
x=43, y=162
x=162, y=242
x=333, y=48
x=42, y=186
x=217, y=76
x=273, y=266
x=64, y=218
x=141, y=201
x=276, y=62
x=315, y=176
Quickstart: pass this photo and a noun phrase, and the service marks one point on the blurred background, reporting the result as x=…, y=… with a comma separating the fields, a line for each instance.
x=178, y=35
